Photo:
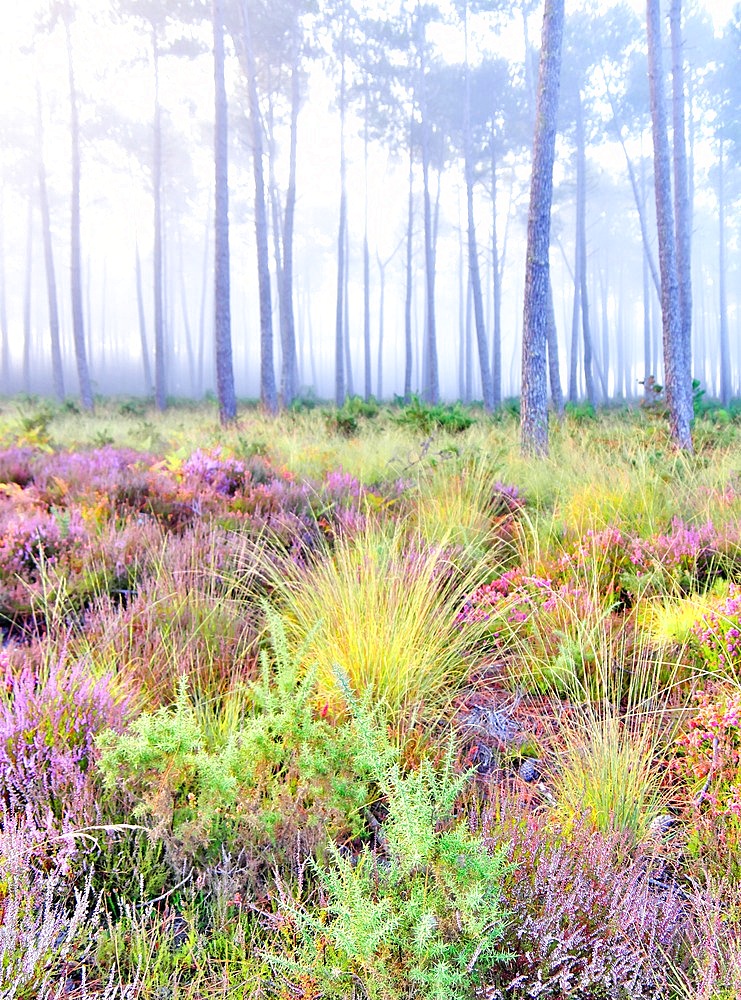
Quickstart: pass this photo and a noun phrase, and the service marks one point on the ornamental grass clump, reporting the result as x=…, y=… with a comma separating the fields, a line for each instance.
x=382, y=606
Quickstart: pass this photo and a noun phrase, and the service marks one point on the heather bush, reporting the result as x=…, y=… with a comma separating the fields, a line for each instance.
x=47, y=915
x=48, y=724
x=717, y=634
x=709, y=764
x=588, y=921
x=183, y=619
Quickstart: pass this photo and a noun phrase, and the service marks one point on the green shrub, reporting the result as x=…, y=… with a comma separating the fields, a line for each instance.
x=428, y=417
x=275, y=771
x=419, y=917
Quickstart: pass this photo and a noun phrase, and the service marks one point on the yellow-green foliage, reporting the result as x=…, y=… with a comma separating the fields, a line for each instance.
x=382, y=606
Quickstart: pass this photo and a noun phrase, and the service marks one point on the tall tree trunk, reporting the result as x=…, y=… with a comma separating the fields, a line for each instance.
x=467, y=346
x=473, y=254
x=289, y=374
x=381, y=311
x=366, y=254
x=725, y=354
x=268, y=392
x=187, y=328
x=648, y=363
x=222, y=286
x=581, y=238
x=205, y=275
x=148, y=385
x=496, y=349
x=677, y=375
x=160, y=368
x=5, y=379
x=339, y=354
x=408, y=352
x=534, y=400
x=51, y=280
x=346, y=300
x=27, y=293
x=681, y=184
x=78, y=322
x=554, y=372
x=431, y=384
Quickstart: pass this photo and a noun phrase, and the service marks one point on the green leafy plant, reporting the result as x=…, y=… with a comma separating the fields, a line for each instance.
x=420, y=916
x=427, y=417
x=273, y=770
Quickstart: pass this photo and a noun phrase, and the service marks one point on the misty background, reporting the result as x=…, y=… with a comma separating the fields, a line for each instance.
x=413, y=93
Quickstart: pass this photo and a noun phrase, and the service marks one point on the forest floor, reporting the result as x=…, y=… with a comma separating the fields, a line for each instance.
x=362, y=703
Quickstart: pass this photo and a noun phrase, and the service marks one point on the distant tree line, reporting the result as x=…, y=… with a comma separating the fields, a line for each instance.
x=493, y=120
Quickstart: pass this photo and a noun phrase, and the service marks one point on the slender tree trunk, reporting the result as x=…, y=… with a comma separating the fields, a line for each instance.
x=681, y=184
x=51, y=280
x=290, y=378
x=431, y=385
x=346, y=300
x=27, y=293
x=725, y=354
x=581, y=237
x=78, y=322
x=534, y=401
x=381, y=311
x=160, y=370
x=202, y=309
x=186, y=320
x=222, y=285
x=366, y=254
x=677, y=376
x=268, y=392
x=496, y=349
x=339, y=358
x=473, y=254
x=468, y=351
x=5, y=379
x=408, y=352
x=148, y=386
x=648, y=366
x=554, y=372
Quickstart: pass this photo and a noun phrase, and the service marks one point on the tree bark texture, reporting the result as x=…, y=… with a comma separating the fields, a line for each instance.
x=78, y=322
x=534, y=396
x=677, y=377
x=222, y=291
x=268, y=391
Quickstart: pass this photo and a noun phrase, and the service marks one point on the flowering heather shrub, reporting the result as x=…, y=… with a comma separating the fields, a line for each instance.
x=183, y=619
x=216, y=470
x=115, y=475
x=718, y=633
x=44, y=920
x=535, y=617
x=48, y=726
x=710, y=762
x=16, y=466
x=587, y=923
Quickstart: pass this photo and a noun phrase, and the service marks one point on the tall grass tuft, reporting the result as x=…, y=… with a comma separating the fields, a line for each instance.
x=382, y=606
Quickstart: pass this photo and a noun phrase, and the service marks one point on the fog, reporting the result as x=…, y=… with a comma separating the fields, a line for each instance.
x=391, y=80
